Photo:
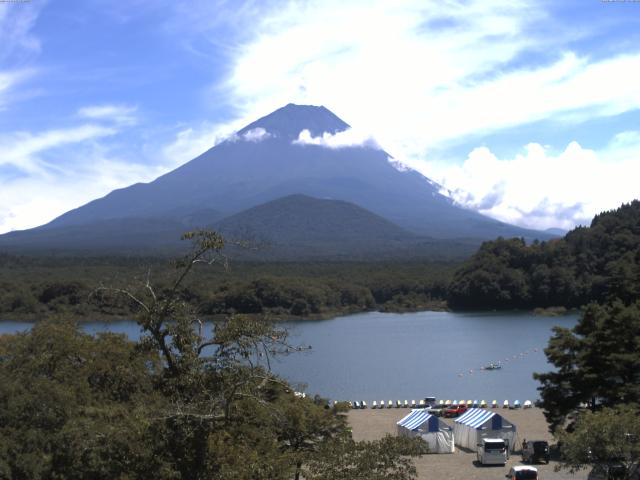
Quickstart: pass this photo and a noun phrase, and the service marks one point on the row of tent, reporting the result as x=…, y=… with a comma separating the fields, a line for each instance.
x=468, y=430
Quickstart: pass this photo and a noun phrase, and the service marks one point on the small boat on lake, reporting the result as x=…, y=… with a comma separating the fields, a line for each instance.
x=493, y=366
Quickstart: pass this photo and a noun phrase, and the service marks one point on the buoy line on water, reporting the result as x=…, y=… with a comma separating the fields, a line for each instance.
x=493, y=365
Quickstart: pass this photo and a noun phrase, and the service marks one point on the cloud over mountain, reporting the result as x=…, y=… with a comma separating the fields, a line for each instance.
x=541, y=188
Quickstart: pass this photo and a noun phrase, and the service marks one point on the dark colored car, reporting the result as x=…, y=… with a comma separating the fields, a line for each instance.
x=455, y=410
x=535, y=451
x=429, y=401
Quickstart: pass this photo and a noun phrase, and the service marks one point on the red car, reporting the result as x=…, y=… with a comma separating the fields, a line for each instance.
x=455, y=410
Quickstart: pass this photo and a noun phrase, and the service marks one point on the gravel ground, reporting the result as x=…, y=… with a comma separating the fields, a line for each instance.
x=530, y=423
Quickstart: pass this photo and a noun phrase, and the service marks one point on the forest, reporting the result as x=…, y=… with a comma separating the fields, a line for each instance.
x=590, y=264
x=594, y=263
x=35, y=287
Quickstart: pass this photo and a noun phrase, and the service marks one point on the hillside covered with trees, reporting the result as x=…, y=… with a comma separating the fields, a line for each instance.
x=595, y=263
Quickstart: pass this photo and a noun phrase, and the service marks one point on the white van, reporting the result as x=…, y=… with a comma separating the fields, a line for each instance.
x=492, y=451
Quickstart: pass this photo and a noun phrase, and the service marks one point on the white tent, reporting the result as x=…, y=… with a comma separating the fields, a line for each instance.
x=437, y=434
x=478, y=423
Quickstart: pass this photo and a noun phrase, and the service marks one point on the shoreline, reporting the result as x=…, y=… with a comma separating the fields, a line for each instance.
x=278, y=318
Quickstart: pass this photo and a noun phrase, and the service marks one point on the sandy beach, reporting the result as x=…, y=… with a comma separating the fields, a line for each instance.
x=530, y=423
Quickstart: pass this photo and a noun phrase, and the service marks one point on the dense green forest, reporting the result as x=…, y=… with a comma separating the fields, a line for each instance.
x=35, y=287
x=596, y=263
x=593, y=263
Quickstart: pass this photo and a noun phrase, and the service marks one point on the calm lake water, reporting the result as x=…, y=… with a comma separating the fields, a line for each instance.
x=375, y=356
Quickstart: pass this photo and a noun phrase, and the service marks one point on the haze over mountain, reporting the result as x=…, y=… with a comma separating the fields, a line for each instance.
x=267, y=160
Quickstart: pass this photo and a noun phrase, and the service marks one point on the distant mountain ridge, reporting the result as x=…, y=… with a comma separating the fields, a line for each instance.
x=259, y=164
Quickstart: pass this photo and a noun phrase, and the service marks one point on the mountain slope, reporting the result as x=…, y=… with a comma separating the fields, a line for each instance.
x=299, y=226
x=263, y=162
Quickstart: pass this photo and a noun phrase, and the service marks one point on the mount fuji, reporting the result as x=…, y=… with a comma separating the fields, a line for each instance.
x=256, y=178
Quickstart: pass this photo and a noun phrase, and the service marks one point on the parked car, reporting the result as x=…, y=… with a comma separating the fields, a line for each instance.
x=535, y=451
x=455, y=410
x=438, y=410
x=522, y=472
x=430, y=401
x=492, y=451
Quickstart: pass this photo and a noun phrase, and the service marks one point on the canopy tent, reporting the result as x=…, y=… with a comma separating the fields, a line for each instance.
x=437, y=434
x=478, y=423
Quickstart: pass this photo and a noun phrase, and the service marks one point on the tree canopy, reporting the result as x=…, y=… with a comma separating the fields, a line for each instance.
x=597, y=362
x=608, y=440
x=599, y=263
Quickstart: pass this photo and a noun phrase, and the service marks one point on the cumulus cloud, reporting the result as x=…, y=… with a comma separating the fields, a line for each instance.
x=345, y=138
x=542, y=189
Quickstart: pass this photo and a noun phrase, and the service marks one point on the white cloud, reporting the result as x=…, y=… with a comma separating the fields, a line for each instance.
x=29, y=201
x=16, y=23
x=256, y=135
x=47, y=173
x=345, y=138
x=120, y=114
x=21, y=149
x=391, y=69
x=9, y=80
x=539, y=189
x=17, y=47
x=192, y=142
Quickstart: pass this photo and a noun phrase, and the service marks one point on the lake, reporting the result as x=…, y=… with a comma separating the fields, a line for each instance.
x=390, y=356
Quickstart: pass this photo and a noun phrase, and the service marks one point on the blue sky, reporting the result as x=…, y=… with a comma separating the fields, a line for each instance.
x=527, y=110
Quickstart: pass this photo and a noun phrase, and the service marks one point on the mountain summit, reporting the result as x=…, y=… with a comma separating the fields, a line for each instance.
x=288, y=121
x=263, y=162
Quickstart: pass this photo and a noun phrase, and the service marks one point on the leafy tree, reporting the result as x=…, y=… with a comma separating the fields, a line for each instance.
x=72, y=405
x=387, y=459
x=607, y=438
x=598, y=361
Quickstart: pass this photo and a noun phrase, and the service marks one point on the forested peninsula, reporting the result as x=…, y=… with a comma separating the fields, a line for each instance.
x=590, y=264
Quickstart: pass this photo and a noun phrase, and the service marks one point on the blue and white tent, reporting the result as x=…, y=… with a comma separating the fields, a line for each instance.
x=437, y=434
x=478, y=423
